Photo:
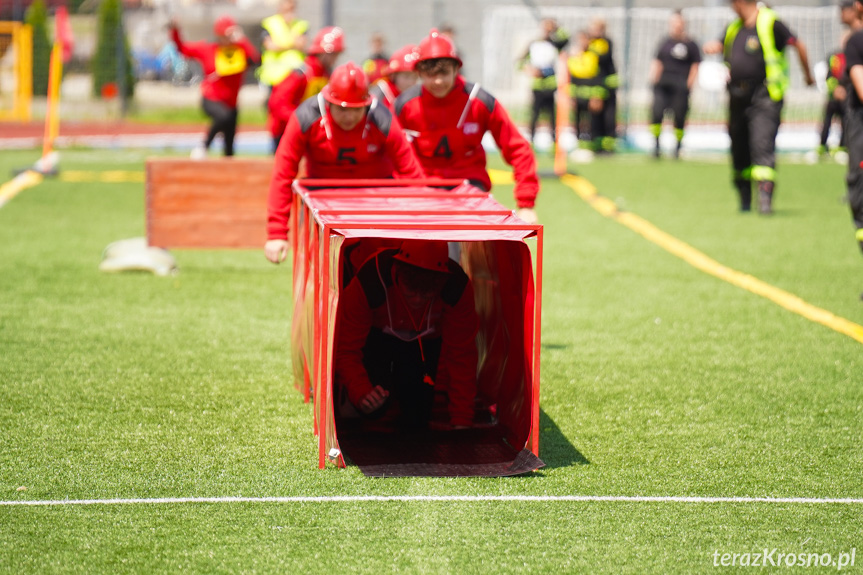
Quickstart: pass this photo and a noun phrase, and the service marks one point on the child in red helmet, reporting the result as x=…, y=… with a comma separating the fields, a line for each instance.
x=224, y=63
x=399, y=75
x=342, y=134
x=305, y=81
x=446, y=118
x=407, y=326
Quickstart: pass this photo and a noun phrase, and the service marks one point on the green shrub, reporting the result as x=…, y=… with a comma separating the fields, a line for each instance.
x=37, y=18
x=105, y=65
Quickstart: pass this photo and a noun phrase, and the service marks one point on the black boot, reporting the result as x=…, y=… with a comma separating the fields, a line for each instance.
x=744, y=190
x=765, y=198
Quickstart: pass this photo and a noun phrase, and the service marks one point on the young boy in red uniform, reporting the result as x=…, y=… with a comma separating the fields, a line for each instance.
x=305, y=81
x=341, y=135
x=447, y=117
x=407, y=322
x=224, y=62
x=399, y=75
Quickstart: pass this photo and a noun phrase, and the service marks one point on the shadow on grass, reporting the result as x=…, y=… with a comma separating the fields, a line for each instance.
x=554, y=447
x=554, y=346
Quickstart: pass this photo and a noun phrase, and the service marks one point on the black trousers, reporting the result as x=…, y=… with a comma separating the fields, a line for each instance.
x=833, y=109
x=398, y=366
x=854, y=130
x=670, y=97
x=582, y=119
x=222, y=119
x=543, y=101
x=604, y=124
x=753, y=122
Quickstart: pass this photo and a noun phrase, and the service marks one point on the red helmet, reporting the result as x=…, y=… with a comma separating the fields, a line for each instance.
x=403, y=60
x=328, y=40
x=436, y=45
x=431, y=255
x=222, y=25
x=348, y=87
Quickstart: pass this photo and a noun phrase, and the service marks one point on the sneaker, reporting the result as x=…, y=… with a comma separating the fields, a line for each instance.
x=765, y=202
x=198, y=153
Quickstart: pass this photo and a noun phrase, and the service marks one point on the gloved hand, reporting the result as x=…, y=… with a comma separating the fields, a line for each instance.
x=528, y=215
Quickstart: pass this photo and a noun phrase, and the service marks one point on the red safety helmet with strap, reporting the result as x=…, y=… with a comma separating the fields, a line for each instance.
x=403, y=60
x=328, y=40
x=435, y=46
x=222, y=25
x=431, y=255
x=348, y=87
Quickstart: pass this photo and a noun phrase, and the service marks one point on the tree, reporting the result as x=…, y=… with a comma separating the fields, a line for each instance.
x=37, y=18
x=112, y=66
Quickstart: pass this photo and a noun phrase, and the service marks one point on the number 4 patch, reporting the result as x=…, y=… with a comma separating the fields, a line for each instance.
x=442, y=150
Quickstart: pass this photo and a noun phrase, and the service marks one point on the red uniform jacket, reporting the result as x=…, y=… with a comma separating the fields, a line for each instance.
x=386, y=93
x=375, y=66
x=302, y=83
x=223, y=66
x=376, y=148
x=451, y=316
x=447, y=136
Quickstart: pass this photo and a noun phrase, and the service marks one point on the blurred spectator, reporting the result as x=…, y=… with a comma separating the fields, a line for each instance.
x=673, y=73
x=540, y=61
x=284, y=43
x=583, y=67
x=375, y=65
x=603, y=100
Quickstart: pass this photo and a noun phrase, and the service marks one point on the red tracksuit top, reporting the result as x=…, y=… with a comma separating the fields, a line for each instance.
x=376, y=148
x=448, y=150
x=214, y=87
x=302, y=83
x=452, y=317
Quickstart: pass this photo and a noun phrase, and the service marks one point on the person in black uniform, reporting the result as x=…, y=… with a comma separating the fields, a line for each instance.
x=835, y=105
x=753, y=47
x=673, y=73
x=582, y=65
x=603, y=101
x=541, y=60
x=854, y=126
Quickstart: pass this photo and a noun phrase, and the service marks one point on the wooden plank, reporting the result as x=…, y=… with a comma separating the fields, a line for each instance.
x=206, y=204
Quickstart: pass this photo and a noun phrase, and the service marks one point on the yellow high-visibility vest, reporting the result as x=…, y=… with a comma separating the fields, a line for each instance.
x=775, y=62
x=230, y=60
x=275, y=66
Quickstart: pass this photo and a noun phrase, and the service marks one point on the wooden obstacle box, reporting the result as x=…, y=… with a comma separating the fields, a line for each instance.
x=207, y=204
x=503, y=257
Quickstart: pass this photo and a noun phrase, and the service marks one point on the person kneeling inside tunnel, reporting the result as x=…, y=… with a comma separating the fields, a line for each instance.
x=406, y=331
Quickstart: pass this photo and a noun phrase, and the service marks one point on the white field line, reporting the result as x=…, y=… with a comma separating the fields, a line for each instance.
x=441, y=499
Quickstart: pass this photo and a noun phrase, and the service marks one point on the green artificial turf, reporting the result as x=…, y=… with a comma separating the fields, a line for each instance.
x=657, y=380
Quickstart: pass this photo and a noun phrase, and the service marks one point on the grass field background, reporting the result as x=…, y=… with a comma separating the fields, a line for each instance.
x=657, y=380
